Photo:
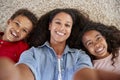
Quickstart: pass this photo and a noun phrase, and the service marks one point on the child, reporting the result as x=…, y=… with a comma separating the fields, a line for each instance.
x=16, y=36
x=102, y=43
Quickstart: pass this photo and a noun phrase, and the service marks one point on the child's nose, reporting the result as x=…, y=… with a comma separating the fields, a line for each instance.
x=18, y=30
x=97, y=44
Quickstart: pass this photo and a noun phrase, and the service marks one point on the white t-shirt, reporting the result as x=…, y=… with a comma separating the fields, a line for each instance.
x=106, y=64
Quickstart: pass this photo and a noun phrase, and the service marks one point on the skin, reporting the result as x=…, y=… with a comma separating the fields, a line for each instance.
x=60, y=30
x=95, y=43
x=8, y=71
x=17, y=29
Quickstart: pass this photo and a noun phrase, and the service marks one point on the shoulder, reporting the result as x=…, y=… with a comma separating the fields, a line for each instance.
x=82, y=60
x=22, y=45
x=82, y=56
x=78, y=53
x=37, y=50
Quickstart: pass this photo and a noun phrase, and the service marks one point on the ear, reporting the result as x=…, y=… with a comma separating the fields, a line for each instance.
x=8, y=21
x=50, y=26
x=104, y=37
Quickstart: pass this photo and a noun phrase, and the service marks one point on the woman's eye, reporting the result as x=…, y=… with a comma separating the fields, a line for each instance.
x=57, y=22
x=67, y=25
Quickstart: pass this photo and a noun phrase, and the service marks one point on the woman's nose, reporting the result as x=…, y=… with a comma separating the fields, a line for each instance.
x=62, y=27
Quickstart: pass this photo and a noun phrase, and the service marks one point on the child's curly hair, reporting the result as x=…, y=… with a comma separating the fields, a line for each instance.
x=111, y=34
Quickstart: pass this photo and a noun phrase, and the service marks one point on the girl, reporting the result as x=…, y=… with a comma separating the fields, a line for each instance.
x=102, y=43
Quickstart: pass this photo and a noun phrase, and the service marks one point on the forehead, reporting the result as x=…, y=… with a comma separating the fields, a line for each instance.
x=24, y=21
x=90, y=34
x=21, y=17
x=64, y=16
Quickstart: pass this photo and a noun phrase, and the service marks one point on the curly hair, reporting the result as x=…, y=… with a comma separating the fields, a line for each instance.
x=111, y=34
x=42, y=34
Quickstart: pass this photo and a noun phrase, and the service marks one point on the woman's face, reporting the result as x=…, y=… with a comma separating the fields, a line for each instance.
x=60, y=27
x=95, y=43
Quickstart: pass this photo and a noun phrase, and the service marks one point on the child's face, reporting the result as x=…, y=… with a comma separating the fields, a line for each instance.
x=60, y=27
x=95, y=43
x=17, y=29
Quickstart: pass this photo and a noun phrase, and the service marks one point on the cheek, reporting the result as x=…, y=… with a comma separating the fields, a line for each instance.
x=24, y=35
x=8, y=26
x=51, y=27
x=11, y=24
x=91, y=50
x=105, y=43
x=69, y=31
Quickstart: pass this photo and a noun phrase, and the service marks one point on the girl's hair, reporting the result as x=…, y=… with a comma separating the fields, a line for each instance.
x=111, y=34
x=32, y=17
x=42, y=34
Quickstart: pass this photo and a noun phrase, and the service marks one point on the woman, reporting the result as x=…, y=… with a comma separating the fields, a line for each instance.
x=55, y=56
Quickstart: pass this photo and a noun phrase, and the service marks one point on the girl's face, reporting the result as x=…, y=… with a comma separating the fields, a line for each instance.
x=95, y=43
x=17, y=29
x=60, y=27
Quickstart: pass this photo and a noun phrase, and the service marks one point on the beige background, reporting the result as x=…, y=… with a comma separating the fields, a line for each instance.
x=105, y=11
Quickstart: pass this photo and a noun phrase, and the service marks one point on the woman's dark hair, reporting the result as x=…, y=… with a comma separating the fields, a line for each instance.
x=111, y=34
x=42, y=34
x=32, y=17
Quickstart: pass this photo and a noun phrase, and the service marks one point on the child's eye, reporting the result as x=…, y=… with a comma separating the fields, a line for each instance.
x=17, y=24
x=89, y=44
x=24, y=30
x=98, y=38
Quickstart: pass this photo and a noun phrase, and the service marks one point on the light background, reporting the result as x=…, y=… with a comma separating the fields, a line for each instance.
x=105, y=11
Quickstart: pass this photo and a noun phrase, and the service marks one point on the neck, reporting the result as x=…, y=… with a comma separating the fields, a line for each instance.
x=58, y=47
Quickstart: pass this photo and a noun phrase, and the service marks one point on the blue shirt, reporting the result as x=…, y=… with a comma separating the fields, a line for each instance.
x=43, y=62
